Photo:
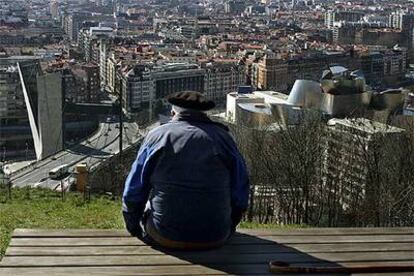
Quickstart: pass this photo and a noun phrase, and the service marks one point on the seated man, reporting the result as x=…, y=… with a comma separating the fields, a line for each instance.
x=189, y=185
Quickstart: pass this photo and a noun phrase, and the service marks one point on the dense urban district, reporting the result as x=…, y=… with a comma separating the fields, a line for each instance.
x=317, y=93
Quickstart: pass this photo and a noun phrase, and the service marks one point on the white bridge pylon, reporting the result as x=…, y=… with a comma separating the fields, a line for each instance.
x=33, y=126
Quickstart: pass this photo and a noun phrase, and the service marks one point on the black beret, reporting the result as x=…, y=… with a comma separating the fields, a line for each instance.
x=191, y=100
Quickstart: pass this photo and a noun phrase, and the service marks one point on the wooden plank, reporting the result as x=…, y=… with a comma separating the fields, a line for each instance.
x=238, y=239
x=82, y=251
x=113, y=252
x=329, y=231
x=232, y=249
x=91, y=261
x=207, y=257
x=249, y=239
x=150, y=270
x=353, y=263
x=136, y=270
x=17, y=233
x=89, y=241
x=380, y=274
x=256, y=232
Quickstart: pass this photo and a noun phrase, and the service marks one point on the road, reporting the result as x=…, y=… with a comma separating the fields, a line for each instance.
x=100, y=146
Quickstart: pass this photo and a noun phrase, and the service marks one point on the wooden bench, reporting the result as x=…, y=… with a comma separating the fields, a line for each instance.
x=114, y=252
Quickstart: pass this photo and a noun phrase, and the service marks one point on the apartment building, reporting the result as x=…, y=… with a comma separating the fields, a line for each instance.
x=334, y=16
x=348, y=145
x=141, y=84
x=221, y=79
x=272, y=74
x=175, y=77
x=136, y=85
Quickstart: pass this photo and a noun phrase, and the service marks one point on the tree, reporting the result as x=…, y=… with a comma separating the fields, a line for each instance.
x=319, y=175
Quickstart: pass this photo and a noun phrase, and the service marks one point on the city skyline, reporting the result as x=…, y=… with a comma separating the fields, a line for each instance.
x=82, y=81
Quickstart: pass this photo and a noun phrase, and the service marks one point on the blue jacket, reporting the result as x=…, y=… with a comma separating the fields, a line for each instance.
x=194, y=177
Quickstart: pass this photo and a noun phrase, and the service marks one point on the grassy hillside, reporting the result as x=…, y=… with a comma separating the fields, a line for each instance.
x=34, y=208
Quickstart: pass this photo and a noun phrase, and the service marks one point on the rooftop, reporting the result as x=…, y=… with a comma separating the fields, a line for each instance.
x=272, y=96
x=365, y=125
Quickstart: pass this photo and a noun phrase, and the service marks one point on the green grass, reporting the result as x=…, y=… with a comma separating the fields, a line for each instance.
x=34, y=208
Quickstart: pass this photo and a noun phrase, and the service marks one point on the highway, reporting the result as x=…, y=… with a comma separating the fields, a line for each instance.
x=103, y=144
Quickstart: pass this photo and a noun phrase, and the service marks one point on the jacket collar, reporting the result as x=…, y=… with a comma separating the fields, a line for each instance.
x=191, y=116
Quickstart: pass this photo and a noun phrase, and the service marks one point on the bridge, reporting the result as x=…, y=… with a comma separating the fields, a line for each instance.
x=92, y=151
x=45, y=113
x=45, y=107
x=92, y=108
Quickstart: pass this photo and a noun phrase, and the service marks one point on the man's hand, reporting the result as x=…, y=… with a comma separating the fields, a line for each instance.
x=132, y=224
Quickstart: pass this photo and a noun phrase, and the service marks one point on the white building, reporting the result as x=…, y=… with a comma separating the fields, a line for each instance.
x=234, y=98
x=349, y=143
x=278, y=107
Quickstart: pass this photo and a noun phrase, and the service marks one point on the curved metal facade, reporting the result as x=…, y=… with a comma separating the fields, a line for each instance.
x=250, y=114
x=306, y=93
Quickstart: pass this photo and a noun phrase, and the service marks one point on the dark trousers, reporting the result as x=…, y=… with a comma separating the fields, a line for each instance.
x=152, y=237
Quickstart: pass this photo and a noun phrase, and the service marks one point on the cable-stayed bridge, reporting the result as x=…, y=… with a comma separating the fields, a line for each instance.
x=92, y=151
